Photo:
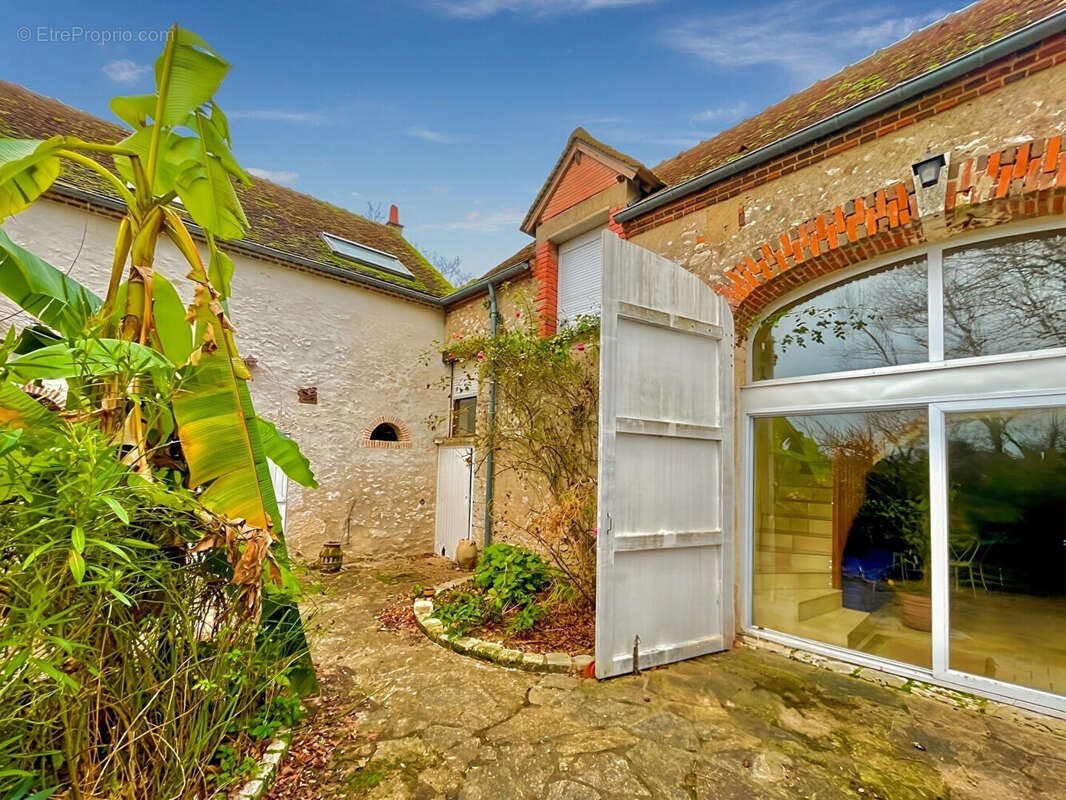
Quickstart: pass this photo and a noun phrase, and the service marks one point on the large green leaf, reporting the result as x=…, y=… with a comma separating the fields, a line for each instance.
x=220, y=272
x=19, y=409
x=195, y=72
x=216, y=144
x=175, y=333
x=175, y=152
x=134, y=110
x=217, y=425
x=207, y=192
x=27, y=168
x=86, y=358
x=43, y=291
x=284, y=452
x=221, y=444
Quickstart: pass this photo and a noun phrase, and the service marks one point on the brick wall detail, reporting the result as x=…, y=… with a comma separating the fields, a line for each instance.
x=584, y=177
x=546, y=272
x=1027, y=180
x=402, y=431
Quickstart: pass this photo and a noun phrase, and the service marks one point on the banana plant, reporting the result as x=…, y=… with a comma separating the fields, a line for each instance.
x=121, y=352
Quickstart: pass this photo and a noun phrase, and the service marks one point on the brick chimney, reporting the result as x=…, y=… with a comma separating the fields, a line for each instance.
x=394, y=218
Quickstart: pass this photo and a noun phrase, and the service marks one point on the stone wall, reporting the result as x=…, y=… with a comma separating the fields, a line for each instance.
x=363, y=352
x=514, y=498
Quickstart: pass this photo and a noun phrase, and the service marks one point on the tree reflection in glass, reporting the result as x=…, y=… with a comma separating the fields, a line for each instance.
x=1005, y=296
x=878, y=319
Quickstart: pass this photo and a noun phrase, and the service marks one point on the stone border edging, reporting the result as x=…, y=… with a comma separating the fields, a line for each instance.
x=267, y=770
x=493, y=652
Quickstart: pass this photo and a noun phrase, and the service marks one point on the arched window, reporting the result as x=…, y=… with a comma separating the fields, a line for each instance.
x=995, y=297
x=387, y=433
x=384, y=433
x=905, y=436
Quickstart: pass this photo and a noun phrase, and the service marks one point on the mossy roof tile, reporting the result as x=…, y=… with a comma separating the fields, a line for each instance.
x=281, y=218
x=921, y=52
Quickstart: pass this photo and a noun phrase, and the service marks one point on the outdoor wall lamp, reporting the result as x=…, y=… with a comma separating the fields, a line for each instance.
x=928, y=170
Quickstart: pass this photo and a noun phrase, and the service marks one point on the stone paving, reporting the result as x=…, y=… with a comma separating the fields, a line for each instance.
x=743, y=724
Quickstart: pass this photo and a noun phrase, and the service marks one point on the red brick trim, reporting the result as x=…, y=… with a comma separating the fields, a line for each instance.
x=613, y=225
x=402, y=431
x=546, y=273
x=1024, y=181
x=989, y=78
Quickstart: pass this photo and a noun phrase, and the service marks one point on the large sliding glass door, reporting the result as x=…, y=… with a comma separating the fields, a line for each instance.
x=906, y=468
x=1004, y=467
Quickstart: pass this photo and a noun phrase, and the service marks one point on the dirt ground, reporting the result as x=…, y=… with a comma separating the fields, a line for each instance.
x=400, y=717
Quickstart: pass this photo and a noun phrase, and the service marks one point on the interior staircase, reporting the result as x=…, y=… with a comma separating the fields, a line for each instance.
x=793, y=591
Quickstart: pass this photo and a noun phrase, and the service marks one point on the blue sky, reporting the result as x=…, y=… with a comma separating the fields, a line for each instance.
x=456, y=110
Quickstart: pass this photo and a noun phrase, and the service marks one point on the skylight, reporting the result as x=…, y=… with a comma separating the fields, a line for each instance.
x=368, y=256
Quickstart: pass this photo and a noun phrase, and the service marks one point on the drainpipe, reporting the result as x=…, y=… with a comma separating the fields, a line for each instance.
x=489, y=457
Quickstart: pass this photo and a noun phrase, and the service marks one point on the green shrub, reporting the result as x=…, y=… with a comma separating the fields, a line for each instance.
x=511, y=576
x=507, y=581
x=462, y=612
x=127, y=665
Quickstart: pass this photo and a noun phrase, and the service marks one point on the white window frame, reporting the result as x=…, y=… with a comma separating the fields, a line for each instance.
x=1033, y=379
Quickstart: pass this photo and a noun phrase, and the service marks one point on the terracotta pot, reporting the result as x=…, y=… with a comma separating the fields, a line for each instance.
x=330, y=557
x=916, y=610
x=466, y=553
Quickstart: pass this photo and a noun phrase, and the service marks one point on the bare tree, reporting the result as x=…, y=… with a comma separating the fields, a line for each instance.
x=451, y=268
x=375, y=212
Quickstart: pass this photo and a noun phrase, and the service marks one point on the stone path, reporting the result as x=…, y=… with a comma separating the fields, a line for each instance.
x=743, y=724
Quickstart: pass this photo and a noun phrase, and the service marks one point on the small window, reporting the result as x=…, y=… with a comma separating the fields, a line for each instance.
x=464, y=416
x=384, y=433
x=367, y=256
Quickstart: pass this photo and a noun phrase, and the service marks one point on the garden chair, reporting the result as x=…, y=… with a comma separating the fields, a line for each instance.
x=964, y=561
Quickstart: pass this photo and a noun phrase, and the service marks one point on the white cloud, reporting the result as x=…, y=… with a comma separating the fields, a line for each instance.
x=283, y=177
x=430, y=135
x=482, y=222
x=281, y=115
x=722, y=113
x=125, y=71
x=809, y=40
x=478, y=9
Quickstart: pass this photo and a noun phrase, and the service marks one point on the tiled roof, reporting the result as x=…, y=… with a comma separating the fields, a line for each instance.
x=923, y=51
x=281, y=218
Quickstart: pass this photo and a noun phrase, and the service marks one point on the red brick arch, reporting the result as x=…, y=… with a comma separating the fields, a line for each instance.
x=1021, y=182
x=402, y=431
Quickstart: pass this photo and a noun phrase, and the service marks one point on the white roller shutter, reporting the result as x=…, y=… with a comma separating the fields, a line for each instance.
x=580, y=276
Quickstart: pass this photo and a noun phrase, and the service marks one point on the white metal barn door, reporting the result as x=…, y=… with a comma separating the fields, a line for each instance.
x=664, y=587
x=455, y=490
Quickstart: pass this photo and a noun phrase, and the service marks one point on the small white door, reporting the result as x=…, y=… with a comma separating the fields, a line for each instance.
x=664, y=588
x=455, y=495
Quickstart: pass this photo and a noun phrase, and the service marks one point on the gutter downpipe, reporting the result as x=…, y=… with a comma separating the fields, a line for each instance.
x=489, y=456
x=1012, y=42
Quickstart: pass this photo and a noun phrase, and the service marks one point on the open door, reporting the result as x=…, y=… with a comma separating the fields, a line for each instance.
x=664, y=588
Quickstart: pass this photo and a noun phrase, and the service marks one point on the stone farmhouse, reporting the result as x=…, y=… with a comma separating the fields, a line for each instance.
x=833, y=337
